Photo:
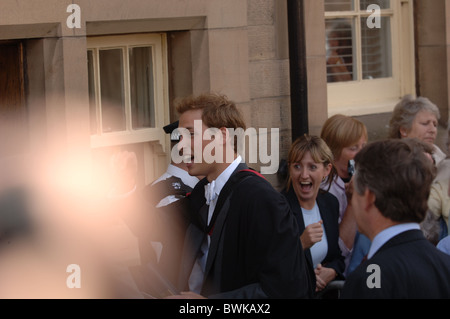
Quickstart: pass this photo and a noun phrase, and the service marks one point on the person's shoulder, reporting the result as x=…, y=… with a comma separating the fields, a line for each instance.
x=328, y=198
x=252, y=181
x=438, y=154
x=256, y=189
x=405, y=251
x=441, y=185
x=255, y=196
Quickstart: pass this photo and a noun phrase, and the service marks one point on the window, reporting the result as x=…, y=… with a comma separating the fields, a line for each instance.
x=370, y=54
x=127, y=89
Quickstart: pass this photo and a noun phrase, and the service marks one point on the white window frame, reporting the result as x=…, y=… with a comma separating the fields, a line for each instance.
x=129, y=135
x=363, y=96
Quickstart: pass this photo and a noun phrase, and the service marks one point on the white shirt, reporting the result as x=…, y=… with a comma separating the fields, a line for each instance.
x=318, y=250
x=197, y=275
x=385, y=235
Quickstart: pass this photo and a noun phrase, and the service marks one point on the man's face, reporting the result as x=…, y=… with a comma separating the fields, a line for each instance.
x=192, y=156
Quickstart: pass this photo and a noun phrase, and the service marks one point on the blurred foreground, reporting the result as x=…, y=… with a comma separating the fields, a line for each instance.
x=60, y=236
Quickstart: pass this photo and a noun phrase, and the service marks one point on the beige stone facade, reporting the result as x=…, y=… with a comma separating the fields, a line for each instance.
x=235, y=47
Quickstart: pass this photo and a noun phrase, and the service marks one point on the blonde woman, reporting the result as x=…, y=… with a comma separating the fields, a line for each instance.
x=316, y=211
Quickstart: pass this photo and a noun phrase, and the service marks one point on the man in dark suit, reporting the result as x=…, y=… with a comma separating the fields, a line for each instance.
x=243, y=241
x=390, y=192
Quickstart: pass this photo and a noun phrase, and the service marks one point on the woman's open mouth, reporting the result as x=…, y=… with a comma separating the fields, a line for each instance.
x=306, y=186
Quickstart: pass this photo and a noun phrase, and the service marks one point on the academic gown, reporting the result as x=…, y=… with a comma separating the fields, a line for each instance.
x=255, y=251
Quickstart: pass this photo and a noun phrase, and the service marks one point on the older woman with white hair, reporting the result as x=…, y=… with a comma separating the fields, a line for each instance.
x=417, y=118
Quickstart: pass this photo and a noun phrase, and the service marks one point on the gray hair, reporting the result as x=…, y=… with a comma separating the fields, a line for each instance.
x=406, y=110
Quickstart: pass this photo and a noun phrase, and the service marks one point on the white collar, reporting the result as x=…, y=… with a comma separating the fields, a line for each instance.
x=223, y=178
x=213, y=189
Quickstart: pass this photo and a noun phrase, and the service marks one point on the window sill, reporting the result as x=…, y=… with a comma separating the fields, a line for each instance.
x=127, y=137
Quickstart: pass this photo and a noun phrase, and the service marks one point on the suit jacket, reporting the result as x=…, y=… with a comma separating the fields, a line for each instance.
x=329, y=211
x=255, y=251
x=409, y=267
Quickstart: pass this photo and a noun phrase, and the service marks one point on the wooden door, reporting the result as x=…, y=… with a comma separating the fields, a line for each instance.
x=13, y=111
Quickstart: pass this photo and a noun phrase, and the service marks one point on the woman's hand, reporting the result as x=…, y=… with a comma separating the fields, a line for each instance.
x=312, y=234
x=323, y=276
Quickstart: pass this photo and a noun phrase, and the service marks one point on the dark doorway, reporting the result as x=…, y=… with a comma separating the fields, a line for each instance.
x=13, y=110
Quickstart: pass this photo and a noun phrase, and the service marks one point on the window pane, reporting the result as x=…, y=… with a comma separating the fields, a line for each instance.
x=376, y=50
x=141, y=84
x=340, y=50
x=112, y=90
x=91, y=83
x=383, y=4
x=339, y=5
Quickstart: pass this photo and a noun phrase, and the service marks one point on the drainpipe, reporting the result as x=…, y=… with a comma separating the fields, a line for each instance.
x=297, y=61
